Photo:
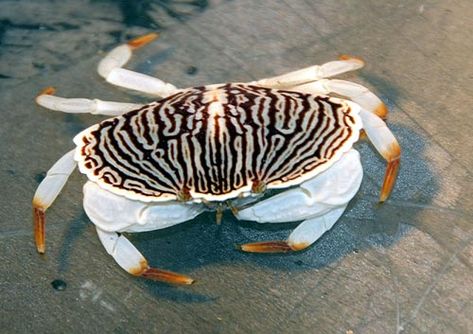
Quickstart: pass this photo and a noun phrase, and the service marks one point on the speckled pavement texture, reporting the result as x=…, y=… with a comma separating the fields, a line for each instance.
x=402, y=267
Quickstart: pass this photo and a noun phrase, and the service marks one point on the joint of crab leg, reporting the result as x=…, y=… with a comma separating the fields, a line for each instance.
x=120, y=55
x=111, y=69
x=312, y=73
x=271, y=247
x=386, y=144
x=382, y=111
x=47, y=100
x=50, y=90
x=354, y=59
x=145, y=271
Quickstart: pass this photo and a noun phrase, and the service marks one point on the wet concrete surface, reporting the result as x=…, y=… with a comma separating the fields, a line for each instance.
x=405, y=266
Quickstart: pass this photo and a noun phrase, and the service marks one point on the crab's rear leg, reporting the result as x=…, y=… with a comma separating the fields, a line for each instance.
x=312, y=73
x=47, y=100
x=47, y=192
x=111, y=69
x=386, y=144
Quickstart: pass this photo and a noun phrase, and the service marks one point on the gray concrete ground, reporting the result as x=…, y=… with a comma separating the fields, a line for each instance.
x=405, y=266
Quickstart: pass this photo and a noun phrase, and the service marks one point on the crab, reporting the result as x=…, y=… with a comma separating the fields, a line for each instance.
x=274, y=150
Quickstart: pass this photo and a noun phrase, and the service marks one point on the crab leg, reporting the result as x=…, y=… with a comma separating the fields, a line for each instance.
x=387, y=145
x=80, y=106
x=312, y=73
x=302, y=237
x=357, y=93
x=319, y=201
x=47, y=192
x=131, y=260
x=111, y=69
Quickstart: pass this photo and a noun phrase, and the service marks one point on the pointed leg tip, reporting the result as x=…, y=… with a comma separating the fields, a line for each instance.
x=41, y=249
x=39, y=221
x=266, y=247
x=190, y=281
x=167, y=276
x=389, y=179
x=142, y=40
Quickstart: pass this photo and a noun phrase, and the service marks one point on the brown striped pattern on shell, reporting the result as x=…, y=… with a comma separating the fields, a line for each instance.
x=217, y=142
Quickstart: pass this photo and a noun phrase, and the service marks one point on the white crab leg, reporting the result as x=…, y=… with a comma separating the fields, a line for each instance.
x=312, y=73
x=331, y=188
x=356, y=92
x=386, y=144
x=47, y=192
x=81, y=106
x=310, y=230
x=115, y=213
x=131, y=260
x=319, y=201
x=304, y=235
x=110, y=68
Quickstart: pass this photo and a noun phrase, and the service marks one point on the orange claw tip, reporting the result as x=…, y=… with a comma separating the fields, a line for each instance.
x=353, y=58
x=142, y=40
x=167, y=276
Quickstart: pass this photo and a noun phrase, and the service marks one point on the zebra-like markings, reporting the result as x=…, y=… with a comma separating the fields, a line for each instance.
x=217, y=142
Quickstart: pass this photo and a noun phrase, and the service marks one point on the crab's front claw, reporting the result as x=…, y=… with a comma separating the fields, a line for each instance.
x=271, y=247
